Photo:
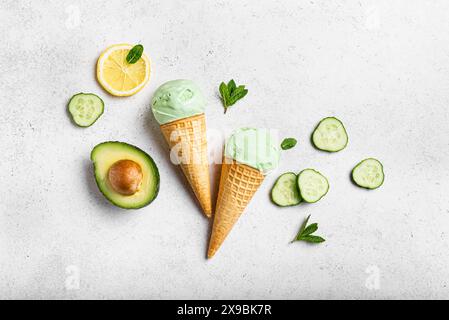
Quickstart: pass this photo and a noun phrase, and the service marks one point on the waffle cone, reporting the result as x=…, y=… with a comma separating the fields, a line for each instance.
x=238, y=184
x=188, y=144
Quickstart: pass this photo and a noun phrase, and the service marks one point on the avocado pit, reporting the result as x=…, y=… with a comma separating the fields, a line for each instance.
x=125, y=177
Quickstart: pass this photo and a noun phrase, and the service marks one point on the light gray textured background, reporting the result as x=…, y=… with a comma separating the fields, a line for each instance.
x=382, y=67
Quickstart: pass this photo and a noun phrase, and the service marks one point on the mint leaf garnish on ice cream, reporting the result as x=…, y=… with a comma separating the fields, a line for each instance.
x=231, y=93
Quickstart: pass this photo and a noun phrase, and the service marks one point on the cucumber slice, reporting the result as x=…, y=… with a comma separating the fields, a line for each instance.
x=285, y=191
x=85, y=109
x=312, y=185
x=330, y=135
x=368, y=173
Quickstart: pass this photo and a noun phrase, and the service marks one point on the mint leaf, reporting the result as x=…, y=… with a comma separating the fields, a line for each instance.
x=313, y=239
x=231, y=86
x=288, y=143
x=224, y=95
x=310, y=229
x=237, y=95
x=134, y=54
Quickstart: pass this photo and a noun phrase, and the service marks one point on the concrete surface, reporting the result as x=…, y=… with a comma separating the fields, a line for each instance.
x=382, y=67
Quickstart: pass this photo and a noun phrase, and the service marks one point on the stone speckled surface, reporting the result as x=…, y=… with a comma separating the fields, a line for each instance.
x=382, y=67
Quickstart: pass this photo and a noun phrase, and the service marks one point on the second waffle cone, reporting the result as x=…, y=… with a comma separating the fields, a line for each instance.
x=238, y=184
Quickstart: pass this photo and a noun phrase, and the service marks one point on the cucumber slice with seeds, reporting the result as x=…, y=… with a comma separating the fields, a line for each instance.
x=85, y=108
x=368, y=174
x=330, y=135
x=285, y=191
x=312, y=185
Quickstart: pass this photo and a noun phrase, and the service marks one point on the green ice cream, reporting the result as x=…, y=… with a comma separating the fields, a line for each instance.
x=254, y=147
x=177, y=99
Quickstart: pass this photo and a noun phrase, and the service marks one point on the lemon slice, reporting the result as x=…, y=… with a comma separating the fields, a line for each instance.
x=117, y=76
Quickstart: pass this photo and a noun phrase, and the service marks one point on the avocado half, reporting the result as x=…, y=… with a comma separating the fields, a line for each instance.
x=105, y=154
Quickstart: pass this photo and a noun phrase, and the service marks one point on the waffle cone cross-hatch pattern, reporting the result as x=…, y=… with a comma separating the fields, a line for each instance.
x=238, y=184
x=187, y=140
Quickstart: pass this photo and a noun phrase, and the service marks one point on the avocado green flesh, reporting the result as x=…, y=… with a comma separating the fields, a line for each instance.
x=106, y=154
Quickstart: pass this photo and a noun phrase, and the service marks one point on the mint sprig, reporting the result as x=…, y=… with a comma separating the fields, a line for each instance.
x=231, y=93
x=305, y=233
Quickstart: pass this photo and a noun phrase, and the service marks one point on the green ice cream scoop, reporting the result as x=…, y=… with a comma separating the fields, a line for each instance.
x=256, y=148
x=177, y=99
